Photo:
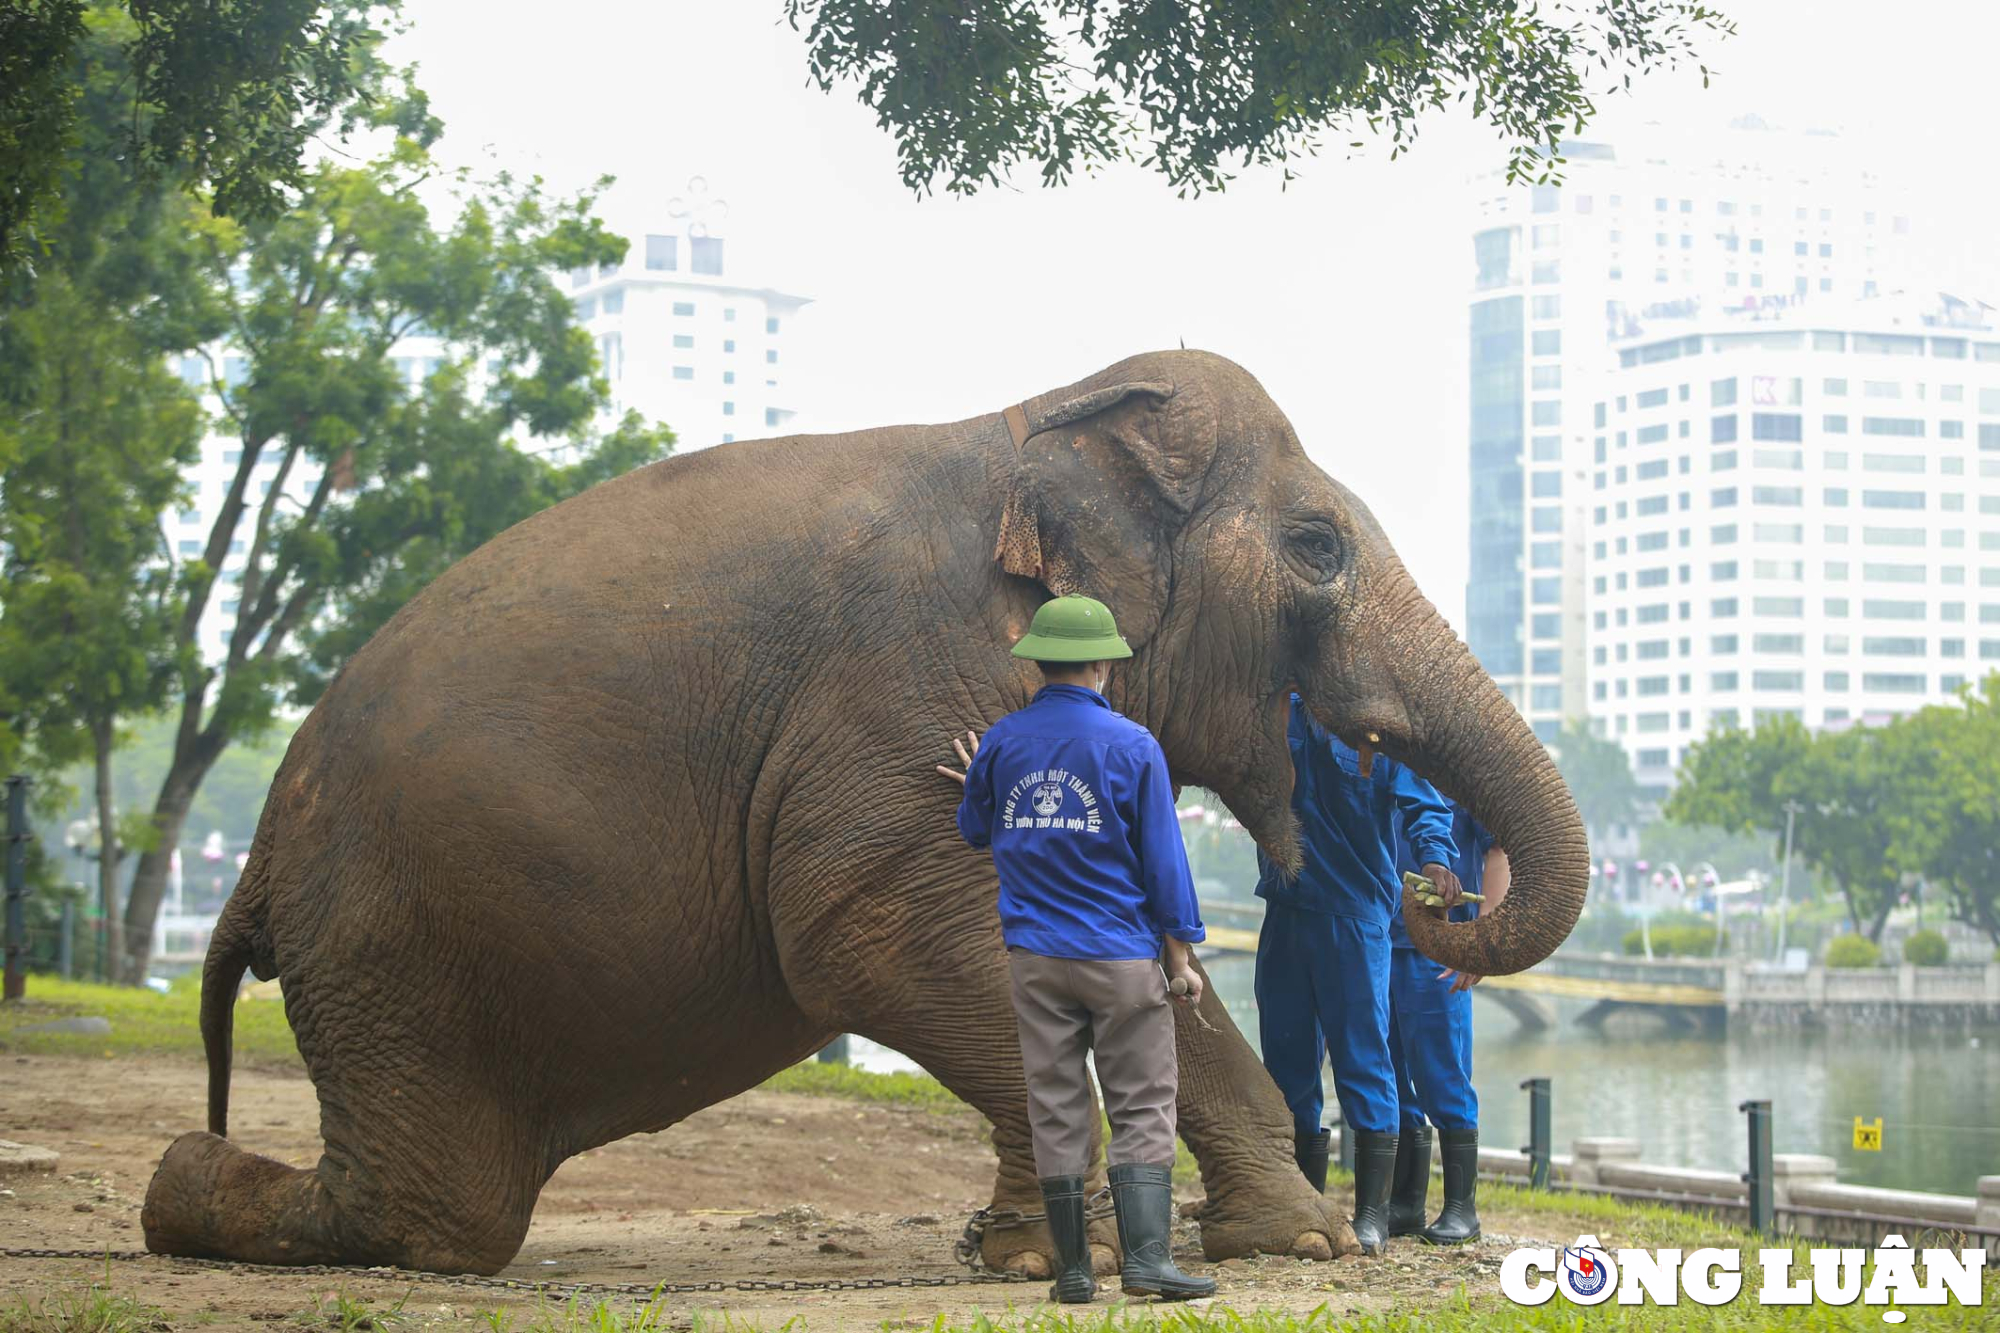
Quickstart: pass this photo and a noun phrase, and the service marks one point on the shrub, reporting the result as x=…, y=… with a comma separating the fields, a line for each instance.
x=1672, y=940
x=1926, y=948
x=1852, y=951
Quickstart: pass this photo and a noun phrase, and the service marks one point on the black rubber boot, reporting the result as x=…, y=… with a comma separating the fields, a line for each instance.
x=1413, y=1181
x=1459, y=1222
x=1374, y=1174
x=1144, y=1197
x=1311, y=1152
x=1063, y=1198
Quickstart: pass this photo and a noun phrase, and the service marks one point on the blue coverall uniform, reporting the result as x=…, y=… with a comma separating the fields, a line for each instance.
x=1430, y=1027
x=1076, y=802
x=1323, y=956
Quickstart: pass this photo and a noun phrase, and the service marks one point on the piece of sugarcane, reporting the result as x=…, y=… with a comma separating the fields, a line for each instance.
x=1427, y=892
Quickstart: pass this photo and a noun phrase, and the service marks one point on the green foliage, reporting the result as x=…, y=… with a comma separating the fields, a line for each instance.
x=1852, y=951
x=222, y=96
x=350, y=1314
x=814, y=1079
x=143, y=1022
x=93, y=1309
x=1920, y=795
x=1673, y=940
x=1599, y=776
x=972, y=90
x=1926, y=948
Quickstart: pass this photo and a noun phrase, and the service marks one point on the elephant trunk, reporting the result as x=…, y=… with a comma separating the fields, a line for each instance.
x=1460, y=732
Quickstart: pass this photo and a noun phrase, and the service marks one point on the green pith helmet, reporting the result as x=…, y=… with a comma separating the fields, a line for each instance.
x=1073, y=629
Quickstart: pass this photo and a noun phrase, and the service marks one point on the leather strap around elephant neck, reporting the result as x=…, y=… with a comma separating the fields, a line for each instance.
x=1017, y=425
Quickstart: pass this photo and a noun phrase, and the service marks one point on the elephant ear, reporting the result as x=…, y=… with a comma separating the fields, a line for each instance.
x=1107, y=475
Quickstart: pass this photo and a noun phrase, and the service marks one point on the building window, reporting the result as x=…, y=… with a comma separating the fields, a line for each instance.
x=1775, y=426
x=1907, y=427
x=683, y=372
x=705, y=255
x=1722, y=498
x=1548, y=342
x=190, y=548
x=1884, y=683
x=1547, y=307
x=662, y=254
x=1778, y=681
x=729, y=377
x=1834, y=425
x=684, y=340
x=771, y=356
x=1892, y=499
x=729, y=409
x=1835, y=681
x=728, y=344
x=683, y=308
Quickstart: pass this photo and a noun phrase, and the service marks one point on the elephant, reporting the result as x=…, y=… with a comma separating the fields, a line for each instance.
x=635, y=805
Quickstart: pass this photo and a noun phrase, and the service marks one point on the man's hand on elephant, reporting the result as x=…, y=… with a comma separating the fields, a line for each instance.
x=965, y=756
x=1463, y=981
x=1445, y=882
x=1180, y=968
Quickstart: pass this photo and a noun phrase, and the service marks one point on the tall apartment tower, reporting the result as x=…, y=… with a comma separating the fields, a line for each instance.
x=1746, y=219
x=1794, y=512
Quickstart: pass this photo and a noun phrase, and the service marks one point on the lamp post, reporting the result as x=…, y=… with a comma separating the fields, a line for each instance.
x=1792, y=809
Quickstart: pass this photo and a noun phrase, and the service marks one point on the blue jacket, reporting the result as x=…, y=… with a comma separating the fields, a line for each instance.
x=1350, y=826
x=1469, y=865
x=1076, y=803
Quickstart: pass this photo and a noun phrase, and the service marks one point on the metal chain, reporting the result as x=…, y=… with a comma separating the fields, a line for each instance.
x=969, y=1249
x=976, y=1278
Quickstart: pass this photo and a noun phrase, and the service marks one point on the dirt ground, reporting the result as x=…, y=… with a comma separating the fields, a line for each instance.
x=768, y=1185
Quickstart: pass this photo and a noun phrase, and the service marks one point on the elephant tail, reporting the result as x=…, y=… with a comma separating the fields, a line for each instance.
x=230, y=953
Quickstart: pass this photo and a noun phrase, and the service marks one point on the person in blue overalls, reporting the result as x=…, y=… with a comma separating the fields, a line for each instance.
x=1430, y=1039
x=1323, y=954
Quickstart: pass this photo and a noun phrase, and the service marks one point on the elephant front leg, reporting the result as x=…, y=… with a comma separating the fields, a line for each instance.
x=945, y=1002
x=1235, y=1122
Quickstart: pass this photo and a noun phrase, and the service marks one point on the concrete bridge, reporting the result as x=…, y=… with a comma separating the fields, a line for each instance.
x=1690, y=992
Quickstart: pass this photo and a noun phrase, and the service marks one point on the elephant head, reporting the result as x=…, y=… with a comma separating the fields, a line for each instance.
x=1172, y=487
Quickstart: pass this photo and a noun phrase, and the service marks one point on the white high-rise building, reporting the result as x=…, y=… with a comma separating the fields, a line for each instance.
x=679, y=339
x=684, y=342
x=1639, y=230
x=1792, y=512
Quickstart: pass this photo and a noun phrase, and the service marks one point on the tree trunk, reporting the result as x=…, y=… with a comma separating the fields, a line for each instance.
x=190, y=765
x=109, y=853
x=1882, y=916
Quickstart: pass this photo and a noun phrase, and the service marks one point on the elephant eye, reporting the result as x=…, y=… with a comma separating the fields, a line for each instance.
x=1316, y=545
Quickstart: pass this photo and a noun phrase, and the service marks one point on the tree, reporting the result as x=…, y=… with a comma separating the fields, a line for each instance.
x=1599, y=775
x=377, y=478
x=1848, y=786
x=102, y=434
x=971, y=90
x=1949, y=828
x=224, y=96
x=98, y=434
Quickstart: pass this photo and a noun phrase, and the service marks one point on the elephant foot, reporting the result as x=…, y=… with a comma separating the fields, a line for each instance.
x=1029, y=1251
x=1278, y=1215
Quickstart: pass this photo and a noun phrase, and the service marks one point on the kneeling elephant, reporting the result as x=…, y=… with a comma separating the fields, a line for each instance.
x=635, y=806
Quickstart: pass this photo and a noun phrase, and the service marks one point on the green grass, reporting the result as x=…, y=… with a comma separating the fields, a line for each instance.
x=350, y=1314
x=821, y=1080
x=143, y=1022
x=93, y=1309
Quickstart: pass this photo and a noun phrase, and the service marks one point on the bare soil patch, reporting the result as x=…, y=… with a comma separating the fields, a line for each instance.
x=766, y=1186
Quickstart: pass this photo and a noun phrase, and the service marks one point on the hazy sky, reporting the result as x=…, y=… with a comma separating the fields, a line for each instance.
x=1345, y=293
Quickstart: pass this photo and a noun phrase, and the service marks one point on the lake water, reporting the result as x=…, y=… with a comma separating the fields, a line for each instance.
x=1937, y=1093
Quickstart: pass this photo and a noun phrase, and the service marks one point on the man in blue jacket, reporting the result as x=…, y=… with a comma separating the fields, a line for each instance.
x=1323, y=954
x=1078, y=808
x=1430, y=1037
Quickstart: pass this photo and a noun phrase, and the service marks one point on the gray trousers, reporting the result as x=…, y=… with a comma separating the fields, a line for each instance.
x=1066, y=1007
